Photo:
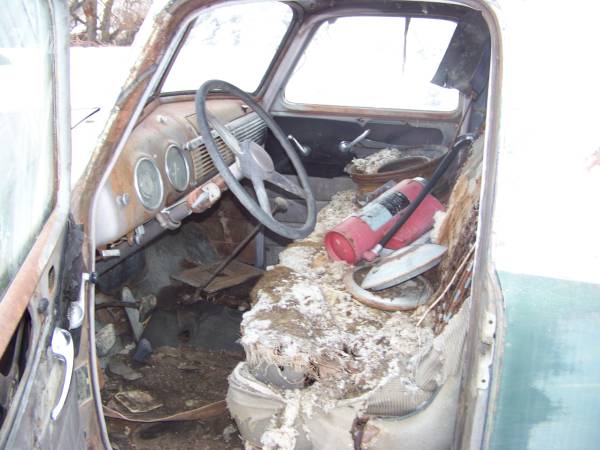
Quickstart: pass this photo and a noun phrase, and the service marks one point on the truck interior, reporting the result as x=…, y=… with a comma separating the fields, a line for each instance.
x=223, y=317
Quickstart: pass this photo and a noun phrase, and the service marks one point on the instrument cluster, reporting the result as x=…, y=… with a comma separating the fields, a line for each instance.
x=159, y=166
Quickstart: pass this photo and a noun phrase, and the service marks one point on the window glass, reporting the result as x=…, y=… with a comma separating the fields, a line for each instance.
x=234, y=43
x=366, y=61
x=26, y=136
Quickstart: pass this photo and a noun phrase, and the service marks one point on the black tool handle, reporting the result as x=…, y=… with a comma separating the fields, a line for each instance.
x=461, y=142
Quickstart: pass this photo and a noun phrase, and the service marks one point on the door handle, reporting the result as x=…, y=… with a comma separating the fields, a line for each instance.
x=346, y=146
x=302, y=149
x=62, y=348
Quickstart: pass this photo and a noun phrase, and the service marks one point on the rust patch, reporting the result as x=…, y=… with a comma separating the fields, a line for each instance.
x=196, y=193
x=25, y=285
x=458, y=232
x=238, y=226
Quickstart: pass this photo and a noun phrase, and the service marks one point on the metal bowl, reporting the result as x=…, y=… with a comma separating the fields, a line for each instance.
x=415, y=162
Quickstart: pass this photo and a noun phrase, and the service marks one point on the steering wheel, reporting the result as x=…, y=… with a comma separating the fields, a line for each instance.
x=254, y=163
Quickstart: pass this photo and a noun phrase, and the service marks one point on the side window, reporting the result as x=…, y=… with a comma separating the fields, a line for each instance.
x=235, y=43
x=378, y=62
x=26, y=136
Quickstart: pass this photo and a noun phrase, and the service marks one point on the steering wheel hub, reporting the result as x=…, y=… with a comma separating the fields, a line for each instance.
x=258, y=156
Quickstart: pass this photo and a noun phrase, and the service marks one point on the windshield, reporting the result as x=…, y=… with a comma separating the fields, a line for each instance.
x=234, y=43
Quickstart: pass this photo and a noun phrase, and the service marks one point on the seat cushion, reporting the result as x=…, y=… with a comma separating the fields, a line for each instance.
x=304, y=327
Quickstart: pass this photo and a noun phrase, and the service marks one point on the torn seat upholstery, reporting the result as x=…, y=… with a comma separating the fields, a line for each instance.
x=318, y=361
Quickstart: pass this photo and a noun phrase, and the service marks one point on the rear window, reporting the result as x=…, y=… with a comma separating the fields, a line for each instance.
x=377, y=62
x=235, y=43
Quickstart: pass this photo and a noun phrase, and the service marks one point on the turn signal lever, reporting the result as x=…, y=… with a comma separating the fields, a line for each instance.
x=346, y=146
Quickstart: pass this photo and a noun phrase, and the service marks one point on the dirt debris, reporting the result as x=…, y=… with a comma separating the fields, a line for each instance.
x=117, y=367
x=168, y=378
x=197, y=435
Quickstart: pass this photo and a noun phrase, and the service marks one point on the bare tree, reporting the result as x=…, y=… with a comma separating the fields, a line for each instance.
x=90, y=11
x=106, y=22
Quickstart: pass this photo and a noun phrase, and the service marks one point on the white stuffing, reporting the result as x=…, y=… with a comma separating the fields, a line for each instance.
x=281, y=434
x=438, y=220
x=296, y=258
x=340, y=207
x=253, y=334
x=372, y=163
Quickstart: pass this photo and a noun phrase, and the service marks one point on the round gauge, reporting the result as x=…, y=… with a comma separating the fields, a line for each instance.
x=148, y=183
x=176, y=166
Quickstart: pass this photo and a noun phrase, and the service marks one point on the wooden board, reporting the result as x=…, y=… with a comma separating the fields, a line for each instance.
x=235, y=273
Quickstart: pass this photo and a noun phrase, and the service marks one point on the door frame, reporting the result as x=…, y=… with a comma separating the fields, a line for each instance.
x=39, y=276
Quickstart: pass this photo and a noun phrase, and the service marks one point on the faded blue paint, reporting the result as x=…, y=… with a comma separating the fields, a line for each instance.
x=550, y=381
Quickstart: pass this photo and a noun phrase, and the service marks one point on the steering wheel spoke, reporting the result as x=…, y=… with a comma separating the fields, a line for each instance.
x=261, y=194
x=286, y=184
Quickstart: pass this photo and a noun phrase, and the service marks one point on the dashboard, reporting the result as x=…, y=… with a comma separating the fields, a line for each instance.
x=164, y=159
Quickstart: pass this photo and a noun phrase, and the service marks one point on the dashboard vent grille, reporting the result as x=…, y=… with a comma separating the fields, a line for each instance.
x=248, y=127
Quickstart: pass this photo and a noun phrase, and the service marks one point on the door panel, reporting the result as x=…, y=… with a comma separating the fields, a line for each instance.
x=27, y=422
x=323, y=135
x=35, y=150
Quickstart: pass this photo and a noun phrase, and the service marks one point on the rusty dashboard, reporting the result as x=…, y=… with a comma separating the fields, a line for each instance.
x=157, y=167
